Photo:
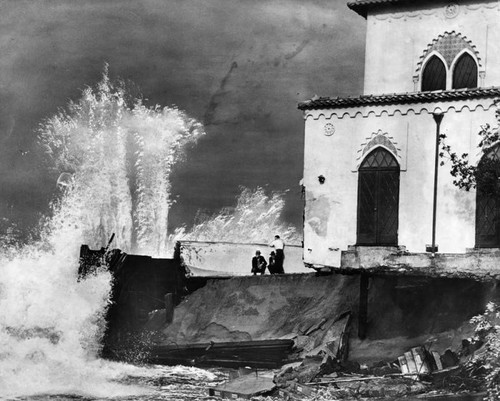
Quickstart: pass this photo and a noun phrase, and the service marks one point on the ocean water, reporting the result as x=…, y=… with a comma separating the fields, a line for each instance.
x=113, y=157
x=137, y=383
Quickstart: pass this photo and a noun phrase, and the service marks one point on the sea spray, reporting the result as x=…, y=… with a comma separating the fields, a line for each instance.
x=51, y=325
x=256, y=218
x=117, y=154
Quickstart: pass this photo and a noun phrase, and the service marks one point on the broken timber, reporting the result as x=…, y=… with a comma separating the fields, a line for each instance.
x=244, y=387
x=257, y=354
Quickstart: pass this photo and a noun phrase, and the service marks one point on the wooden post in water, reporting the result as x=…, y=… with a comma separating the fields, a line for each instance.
x=363, y=305
x=169, y=307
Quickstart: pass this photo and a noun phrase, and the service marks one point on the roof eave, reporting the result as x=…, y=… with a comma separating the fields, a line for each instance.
x=360, y=9
x=322, y=103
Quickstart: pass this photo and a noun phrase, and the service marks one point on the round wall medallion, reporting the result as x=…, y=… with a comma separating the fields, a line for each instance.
x=329, y=129
x=451, y=10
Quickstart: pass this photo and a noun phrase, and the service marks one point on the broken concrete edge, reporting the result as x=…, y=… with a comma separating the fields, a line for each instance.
x=404, y=270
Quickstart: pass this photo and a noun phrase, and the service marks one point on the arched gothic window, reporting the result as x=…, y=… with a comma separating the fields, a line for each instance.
x=465, y=72
x=434, y=75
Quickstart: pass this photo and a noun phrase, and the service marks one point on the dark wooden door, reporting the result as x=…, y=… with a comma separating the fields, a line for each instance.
x=378, y=199
x=488, y=200
x=487, y=230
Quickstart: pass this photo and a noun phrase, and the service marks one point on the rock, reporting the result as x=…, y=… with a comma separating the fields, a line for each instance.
x=351, y=367
x=385, y=370
x=395, y=390
x=449, y=359
x=328, y=365
x=470, y=345
x=308, y=373
x=379, y=364
x=312, y=360
x=305, y=343
x=303, y=372
x=417, y=388
x=371, y=389
x=352, y=386
x=315, y=327
x=289, y=367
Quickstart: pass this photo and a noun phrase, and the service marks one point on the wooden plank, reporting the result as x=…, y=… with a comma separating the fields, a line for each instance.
x=403, y=365
x=412, y=366
x=437, y=360
x=266, y=354
x=304, y=389
x=244, y=387
x=343, y=348
x=288, y=395
x=229, y=345
x=420, y=361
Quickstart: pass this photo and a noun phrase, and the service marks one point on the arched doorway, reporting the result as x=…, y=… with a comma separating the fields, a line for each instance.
x=378, y=199
x=488, y=200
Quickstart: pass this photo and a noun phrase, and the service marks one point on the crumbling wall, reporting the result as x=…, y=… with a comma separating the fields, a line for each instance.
x=402, y=312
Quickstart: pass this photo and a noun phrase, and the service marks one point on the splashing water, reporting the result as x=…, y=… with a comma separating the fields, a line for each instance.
x=115, y=160
x=117, y=157
x=255, y=219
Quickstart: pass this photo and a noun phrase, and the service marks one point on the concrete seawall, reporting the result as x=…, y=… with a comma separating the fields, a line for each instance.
x=402, y=312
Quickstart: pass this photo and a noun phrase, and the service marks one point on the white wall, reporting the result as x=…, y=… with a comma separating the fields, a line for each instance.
x=218, y=258
x=397, y=39
x=331, y=208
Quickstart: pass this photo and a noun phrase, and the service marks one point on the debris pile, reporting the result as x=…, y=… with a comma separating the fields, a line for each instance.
x=325, y=373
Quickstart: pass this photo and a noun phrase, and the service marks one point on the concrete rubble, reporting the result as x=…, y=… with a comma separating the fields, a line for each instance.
x=407, y=351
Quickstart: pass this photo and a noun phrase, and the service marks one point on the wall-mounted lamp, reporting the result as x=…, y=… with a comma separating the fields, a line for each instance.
x=321, y=179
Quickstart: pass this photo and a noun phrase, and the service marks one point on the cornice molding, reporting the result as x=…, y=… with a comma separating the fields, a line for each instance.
x=438, y=11
x=366, y=112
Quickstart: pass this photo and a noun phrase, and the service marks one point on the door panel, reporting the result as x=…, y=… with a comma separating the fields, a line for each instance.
x=488, y=200
x=487, y=219
x=388, y=206
x=367, y=208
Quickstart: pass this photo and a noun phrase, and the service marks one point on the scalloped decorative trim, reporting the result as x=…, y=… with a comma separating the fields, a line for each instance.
x=437, y=11
x=341, y=114
x=376, y=139
x=440, y=42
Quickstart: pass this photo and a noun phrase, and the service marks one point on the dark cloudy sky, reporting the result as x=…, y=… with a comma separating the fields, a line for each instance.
x=238, y=66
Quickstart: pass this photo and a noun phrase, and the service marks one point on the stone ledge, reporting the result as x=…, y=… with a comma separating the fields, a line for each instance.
x=477, y=264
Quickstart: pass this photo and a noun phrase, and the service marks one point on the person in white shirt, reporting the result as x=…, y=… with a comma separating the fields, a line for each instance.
x=279, y=246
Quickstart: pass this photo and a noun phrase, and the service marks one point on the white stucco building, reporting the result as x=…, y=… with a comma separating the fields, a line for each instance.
x=370, y=160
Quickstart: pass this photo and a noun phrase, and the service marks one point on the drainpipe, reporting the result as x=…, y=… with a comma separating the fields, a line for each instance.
x=438, y=117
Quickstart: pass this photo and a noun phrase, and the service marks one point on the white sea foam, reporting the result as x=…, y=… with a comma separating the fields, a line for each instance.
x=256, y=218
x=113, y=159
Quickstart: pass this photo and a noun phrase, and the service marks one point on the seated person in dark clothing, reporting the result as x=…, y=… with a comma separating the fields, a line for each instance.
x=272, y=263
x=258, y=263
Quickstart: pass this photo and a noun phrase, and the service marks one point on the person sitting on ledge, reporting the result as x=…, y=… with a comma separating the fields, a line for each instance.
x=272, y=263
x=258, y=263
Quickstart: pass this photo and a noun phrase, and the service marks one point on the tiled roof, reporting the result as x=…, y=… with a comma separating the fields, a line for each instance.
x=398, y=98
x=361, y=6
